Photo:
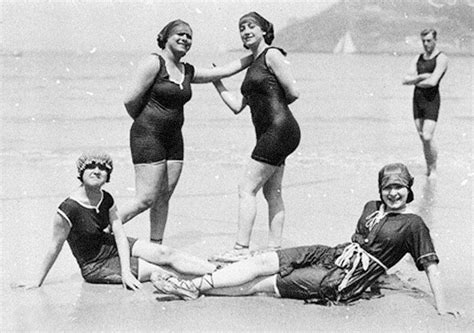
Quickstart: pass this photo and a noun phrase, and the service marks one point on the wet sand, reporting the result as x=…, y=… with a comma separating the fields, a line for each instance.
x=206, y=226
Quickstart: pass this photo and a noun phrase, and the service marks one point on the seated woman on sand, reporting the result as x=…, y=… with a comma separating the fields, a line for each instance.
x=385, y=232
x=103, y=257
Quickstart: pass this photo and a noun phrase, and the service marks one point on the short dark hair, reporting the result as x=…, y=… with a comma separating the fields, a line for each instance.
x=165, y=32
x=428, y=31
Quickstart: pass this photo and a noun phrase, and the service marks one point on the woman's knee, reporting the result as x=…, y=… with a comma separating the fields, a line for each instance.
x=272, y=194
x=246, y=190
x=145, y=201
x=162, y=197
x=165, y=253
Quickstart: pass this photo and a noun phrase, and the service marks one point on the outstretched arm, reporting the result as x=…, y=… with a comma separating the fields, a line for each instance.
x=433, y=274
x=144, y=78
x=61, y=230
x=234, y=100
x=205, y=75
x=433, y=79
x=128, y=280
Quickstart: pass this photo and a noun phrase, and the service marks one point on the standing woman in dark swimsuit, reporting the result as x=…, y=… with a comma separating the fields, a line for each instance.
x=155, y=101
x=426, y=72
x=267, y=89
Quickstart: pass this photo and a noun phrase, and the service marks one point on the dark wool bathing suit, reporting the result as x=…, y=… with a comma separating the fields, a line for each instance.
x=95, y=251
x=426, y=101
x=156, y=133
x=278, y=133
x=311, y=272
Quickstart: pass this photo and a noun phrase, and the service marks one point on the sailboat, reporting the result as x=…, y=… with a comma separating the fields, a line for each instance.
x=345, y=45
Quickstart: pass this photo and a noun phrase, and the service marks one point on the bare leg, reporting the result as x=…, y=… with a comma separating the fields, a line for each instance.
x=256, y=175
x=145, y=269
x=426, y=128
x=162, y=255
x=276, y=208
x=240, y=273
x=159, y=209
x=263, y=284
x=148, y=182
x=429, y=147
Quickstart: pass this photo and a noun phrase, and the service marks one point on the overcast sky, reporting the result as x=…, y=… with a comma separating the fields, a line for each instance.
x=129, y=25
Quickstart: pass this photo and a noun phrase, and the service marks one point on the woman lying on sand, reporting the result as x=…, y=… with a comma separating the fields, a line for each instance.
x=386, y=231
x=104, y=257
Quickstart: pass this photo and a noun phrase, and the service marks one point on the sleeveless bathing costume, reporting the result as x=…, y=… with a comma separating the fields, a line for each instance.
x=95, y=251
x=277, y=131
x=426, y=101
x=156, y=133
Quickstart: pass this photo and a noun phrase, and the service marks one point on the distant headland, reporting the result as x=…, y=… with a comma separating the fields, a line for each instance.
x=370, y=26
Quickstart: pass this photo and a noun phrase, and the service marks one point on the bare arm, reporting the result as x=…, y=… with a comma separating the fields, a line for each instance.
x=128, y=280
x=234, y=100
x=61, y=230
x=412, y=77
x=281, y=67
x=205, y=75
x=433, y=79
x=433, y=274
x=144, y=77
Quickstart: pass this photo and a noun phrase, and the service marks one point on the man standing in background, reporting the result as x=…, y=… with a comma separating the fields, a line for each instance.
x=426, y=72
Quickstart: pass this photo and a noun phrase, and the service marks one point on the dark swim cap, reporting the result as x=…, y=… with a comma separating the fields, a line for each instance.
x=265, y=25
x=94, y=157
x=396, y=173
x=167, y=30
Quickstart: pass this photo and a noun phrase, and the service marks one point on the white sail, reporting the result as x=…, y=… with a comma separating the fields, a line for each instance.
x=345, y=45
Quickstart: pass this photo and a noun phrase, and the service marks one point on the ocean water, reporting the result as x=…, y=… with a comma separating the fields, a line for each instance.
x=354, y=113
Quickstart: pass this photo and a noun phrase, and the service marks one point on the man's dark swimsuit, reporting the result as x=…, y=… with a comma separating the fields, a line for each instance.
x=426, y=101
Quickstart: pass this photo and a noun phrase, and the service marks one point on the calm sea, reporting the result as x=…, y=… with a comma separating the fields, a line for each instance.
x=352, y=108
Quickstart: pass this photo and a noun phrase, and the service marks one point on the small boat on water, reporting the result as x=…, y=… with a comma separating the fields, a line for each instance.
x=345, y=45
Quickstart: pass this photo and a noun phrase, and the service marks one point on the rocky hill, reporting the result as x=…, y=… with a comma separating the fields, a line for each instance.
x=372, y=26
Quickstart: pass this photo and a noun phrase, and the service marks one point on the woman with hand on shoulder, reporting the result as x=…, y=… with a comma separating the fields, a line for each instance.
x=155, y=101
x=268, y=89
x=386, y=231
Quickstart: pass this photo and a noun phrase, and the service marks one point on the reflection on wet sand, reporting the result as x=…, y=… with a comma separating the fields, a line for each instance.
x=427, y=202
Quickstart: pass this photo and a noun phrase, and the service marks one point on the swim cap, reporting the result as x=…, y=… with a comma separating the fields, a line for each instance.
x=265, y=25
x=168, y=30
x=396, y=173
x=94, y=157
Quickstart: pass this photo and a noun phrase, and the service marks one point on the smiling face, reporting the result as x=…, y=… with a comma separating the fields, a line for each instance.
x=95, y=174
x=180, y=39
x=250, y=32
x=395, y=196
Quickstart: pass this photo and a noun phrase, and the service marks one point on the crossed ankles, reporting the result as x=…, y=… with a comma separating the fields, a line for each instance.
x=169, y=284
